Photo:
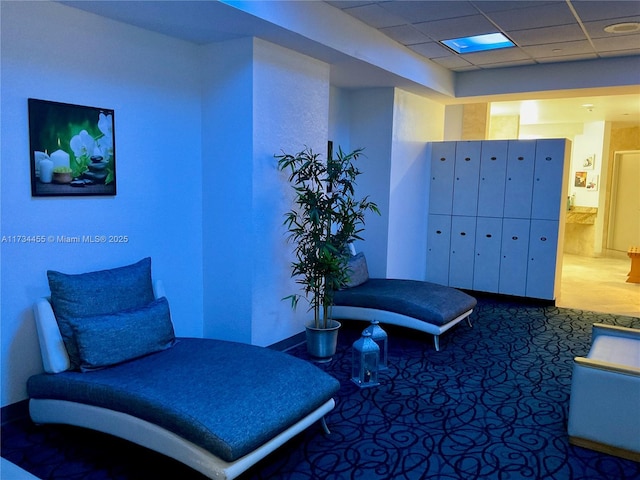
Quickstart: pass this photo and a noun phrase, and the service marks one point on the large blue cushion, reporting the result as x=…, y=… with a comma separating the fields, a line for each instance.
x=105, y=340
x=358, y=270
x=227, y=397
x=97, y=293
x=429, y=302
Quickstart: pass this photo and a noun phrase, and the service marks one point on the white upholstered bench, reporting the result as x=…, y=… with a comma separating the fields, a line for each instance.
x=604, y=408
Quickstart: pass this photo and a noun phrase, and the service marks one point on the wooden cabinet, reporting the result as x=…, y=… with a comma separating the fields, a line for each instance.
x=495, y=215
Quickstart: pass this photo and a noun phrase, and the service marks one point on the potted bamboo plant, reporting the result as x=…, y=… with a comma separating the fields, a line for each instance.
x=325, y=218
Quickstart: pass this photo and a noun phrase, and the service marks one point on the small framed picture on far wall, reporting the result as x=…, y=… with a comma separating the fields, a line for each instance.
x=580, y=179
x=589, y=162
x=72, y=149
x=592, y=182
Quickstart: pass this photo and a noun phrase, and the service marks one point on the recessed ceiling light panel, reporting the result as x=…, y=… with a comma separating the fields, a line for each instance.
x=478, y=43
x=629, y=27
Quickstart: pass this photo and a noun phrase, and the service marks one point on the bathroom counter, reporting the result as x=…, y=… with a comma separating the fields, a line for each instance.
x=582, y=215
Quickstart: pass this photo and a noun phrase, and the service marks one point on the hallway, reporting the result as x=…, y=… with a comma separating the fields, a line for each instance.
x=599, y=285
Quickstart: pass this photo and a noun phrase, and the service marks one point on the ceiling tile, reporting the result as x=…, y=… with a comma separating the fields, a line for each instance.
x=567, y=58
x=405, y=34
x=517, y=63
x=375, y=15
x=623, y=53
x=502, y=5
x=502, y=55
x=590, y=10
x=456, y=27
x=464, y=69
x=534, y=17
x=612, y=44
x=559, y=49
x=595, y=29
x=431, y=50
x=414, y=12
x=452, y=61
x=348, y=3
x=538, y=36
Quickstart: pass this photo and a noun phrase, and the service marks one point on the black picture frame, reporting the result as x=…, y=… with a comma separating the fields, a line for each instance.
x=72, y=149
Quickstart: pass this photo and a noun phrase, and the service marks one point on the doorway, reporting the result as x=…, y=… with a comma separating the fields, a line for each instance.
x=598, y=283
x=624, y=214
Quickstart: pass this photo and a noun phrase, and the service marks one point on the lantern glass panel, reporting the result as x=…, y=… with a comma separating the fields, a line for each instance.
x=365, y=361
x=379, y=336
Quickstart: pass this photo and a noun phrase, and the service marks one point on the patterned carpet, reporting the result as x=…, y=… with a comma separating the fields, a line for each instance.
x=492, y=404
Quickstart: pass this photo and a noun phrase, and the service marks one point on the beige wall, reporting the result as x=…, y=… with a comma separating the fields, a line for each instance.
x=624, y=137
x=475, y=121
x=504, y=127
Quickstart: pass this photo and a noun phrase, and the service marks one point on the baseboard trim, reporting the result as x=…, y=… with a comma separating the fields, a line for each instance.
x=603, y=448
x=511, y=298
x=288, y=343
x=15, y=411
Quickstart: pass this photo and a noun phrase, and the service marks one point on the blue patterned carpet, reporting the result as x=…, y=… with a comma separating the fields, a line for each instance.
x=492, y=404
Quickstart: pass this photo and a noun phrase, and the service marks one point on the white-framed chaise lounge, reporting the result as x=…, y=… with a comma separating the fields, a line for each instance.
x=216, y=406
x=415, y=304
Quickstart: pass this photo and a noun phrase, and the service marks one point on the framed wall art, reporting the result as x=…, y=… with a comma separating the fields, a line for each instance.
x=589, y=162
x=72, y=149
x=592, y=181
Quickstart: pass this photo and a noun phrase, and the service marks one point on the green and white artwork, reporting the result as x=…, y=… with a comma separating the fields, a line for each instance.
x=72, y=149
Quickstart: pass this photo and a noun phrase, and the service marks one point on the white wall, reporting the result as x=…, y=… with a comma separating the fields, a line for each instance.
x=260, y=99
x=227, y=166
x=603, y=72
x=371, y=128
x=416, y=121
x=394, y=126
x=453, y=118
x=590, y=143
x=53, y=52
x=340, y=32
x=291, y=110
x=339, y=118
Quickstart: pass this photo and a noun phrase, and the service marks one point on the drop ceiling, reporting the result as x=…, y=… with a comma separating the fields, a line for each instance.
x=543, y=31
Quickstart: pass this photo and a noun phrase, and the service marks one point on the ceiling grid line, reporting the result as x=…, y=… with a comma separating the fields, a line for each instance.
x=584, y=30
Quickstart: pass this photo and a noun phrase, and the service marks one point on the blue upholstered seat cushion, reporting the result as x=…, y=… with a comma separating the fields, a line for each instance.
x=227, y=397
x=358, y=270
x=97, y=293
x=430, y=302
x=105, y=340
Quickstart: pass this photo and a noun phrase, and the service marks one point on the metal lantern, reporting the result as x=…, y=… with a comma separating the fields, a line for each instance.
x=366, y=357
x=379, y=336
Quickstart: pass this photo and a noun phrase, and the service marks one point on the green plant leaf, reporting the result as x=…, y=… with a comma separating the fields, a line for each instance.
x=325, y=219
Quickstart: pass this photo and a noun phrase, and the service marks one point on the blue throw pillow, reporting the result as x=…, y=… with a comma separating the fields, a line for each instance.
x=97, y=293
x=105, y=340
x=358, y=271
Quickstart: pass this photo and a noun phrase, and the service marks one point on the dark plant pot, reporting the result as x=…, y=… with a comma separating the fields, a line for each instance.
x=61, y=177
x=322, y=342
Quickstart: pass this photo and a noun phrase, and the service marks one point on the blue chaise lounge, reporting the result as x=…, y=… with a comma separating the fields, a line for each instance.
x=423, y=306
x=113, y=364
